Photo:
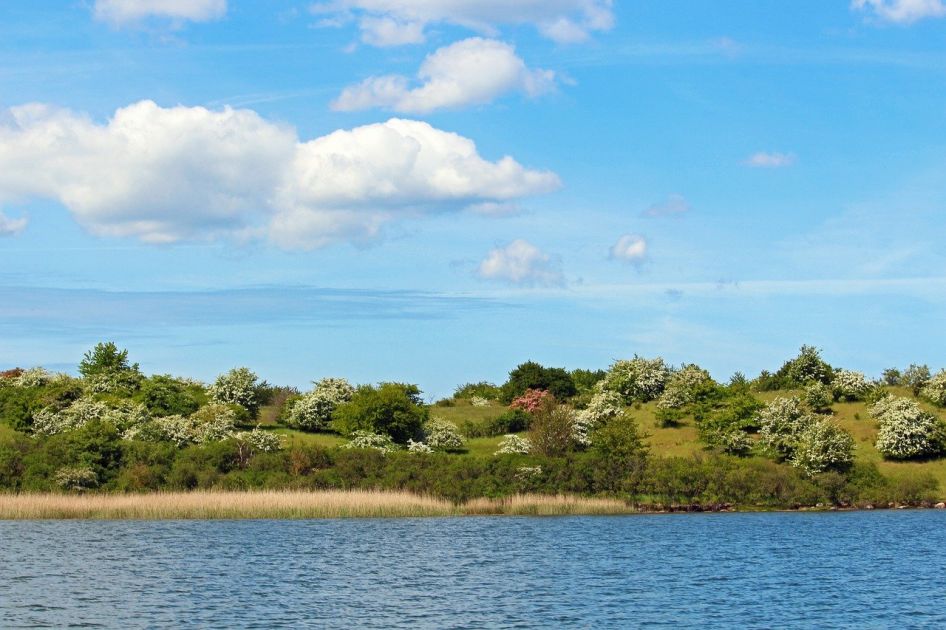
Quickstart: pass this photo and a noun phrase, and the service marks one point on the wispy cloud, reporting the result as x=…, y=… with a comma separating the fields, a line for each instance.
x=765, y=159
x=673, y=206
x=522, y=263
x=902, y=11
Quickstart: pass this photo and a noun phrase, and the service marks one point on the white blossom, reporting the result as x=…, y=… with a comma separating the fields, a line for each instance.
x=314, y=410
x=935, y=389
x=605, y=405
x=442, y=435
x=367, y=439
x=821, y=446
x=782, y=421
x=637, y=379
x=849, y=385
x=514, y=445
x=418, y=447
x=906, y=431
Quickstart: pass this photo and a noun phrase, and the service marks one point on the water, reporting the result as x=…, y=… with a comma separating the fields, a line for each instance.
x=857, y=570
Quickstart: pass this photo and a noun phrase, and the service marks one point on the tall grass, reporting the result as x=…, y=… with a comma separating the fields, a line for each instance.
x=287, y=505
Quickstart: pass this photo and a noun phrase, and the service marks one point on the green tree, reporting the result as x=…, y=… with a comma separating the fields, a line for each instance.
x=552, y=431
x=393, y=409
x=105, y=358
x=239, y=386
x=531, y=375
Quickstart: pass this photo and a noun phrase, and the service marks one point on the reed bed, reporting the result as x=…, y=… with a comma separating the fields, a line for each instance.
x=289, y=505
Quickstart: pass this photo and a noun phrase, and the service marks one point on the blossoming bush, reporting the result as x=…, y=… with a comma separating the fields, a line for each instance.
x=314, y=410
x=781, y=423
x=418, y=447
x=637, y=379
x=239, y=386
x=367, y=439
x=849, y=385
x=33, y=377
x=514, y=445
x=934, y=389
x=730, y=440
x=259, y=440
x=76, y=478
x=603, y=407
x=822, y=446
x=126, y=417
x=531, y=400
x=682, y=387
x=479, y=401
x=818, y=397
x=442, y=435
x=906, y=431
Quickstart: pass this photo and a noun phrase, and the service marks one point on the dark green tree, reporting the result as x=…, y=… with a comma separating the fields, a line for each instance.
x=393, y=409
x=531, y=375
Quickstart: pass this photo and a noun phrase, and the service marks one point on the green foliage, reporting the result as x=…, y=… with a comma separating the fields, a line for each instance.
x=552, y=431
x=239, y=386
x=164, y=395
x=531, y=375
x=314, y=410
x=818, y=397
x=806, y=368
x=619, y=451
x=105, y=358
x=392, y=409
x=511, y=421
x=915, y=377
x=892, y=377
x=637, y=379
x=585, y=380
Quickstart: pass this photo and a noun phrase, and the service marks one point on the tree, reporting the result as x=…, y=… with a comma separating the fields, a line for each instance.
x=531, y=375
x=619, y=451
x=915, y=377
x=906, y=431
x=822, y=446
x=442, y=435
x=165, y=395
x=806, y=368
x=782, y=421
x=818, y=397
x=392, y=409
x=935, y=389
x=103, y=358
x=552, y=432
x=239, y=386
x=314, y=410
x=849, y=385
x=637, y=379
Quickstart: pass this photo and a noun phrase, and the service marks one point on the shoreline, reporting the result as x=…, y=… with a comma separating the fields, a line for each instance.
x=340, y=504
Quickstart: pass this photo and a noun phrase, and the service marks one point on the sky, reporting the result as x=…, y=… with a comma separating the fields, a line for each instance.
x=434, y=191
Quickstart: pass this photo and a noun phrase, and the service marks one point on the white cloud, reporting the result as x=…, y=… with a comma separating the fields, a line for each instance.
x=166, y=174
x=630, y=248
x=11, y=227
x=770, y=160
x=673, y=205
x=522, y=263
x=470, y=72
x=124, y=12
x=396, y=22
x=902, y=11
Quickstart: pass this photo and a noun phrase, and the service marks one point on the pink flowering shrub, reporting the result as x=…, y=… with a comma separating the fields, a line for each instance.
x=531, y=400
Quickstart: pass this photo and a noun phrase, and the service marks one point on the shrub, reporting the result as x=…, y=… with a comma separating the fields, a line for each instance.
x=637, y=379
x=106, y=370
x=906, y=431
x=805, y=368
x=618, y=450
x=33, y=377
x=849, y=385
x=603, y=407
x=76, y=478
x=482, y=389
x=165, y=395
x=822, y=446
x=211, y=423
x=935, y=389
x=731, y=441
x=314, y=410
x=239, y=386
x=531, y=375
x=915, y=377
x=683, y=386
x=418, y=447
x=553, y=429
x=392, y=409
x=782, y=422
x=892, y=377
x=818, y=397
x=514, y=445
x=259, y=440
x=442, y=435
x=125, y=417
x=369, y=440
x=479, y=401
x=531, y=400
x=737, y=413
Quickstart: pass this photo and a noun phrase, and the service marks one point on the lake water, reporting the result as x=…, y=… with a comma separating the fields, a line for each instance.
x=857, y=570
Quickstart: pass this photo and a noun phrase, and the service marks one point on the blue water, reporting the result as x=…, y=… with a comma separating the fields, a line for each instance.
x=856, y=570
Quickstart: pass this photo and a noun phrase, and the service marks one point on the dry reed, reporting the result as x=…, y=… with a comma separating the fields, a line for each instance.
x=288, y=505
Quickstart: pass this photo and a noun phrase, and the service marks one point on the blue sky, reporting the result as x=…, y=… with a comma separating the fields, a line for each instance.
x=437, y=190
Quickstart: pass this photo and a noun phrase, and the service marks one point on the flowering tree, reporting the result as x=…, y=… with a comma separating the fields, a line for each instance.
x=125, y=416
x=442, y=435
x=807, y=367
x=637, y=379
x=76, y=478
x=604, y=406
x=314, y=410
x=849, y=385
x=531, y=400
x=781, y=423
x=818, y=397
x=367, y=439
x=915, y=377
x=935, y=389
x=682, y=387
x=418, y=447
x=906, y=431
x=239, y=386
x=822, y=446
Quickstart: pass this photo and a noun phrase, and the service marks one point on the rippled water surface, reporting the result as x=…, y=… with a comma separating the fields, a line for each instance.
x=864, y=569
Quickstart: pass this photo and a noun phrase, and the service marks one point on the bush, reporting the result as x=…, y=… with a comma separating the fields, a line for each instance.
x=822, y=446
x=482, y=389
x=531, y=400
x=442, y=435
x=892, y=377
x=737, y=414
x=818, y=397
x=392, y=409
x=637, y=379
x=369, y=440
x=849, y=385
x=782, y=422
x=531, y=375
x=313, y=411
x=935, y=389
x=105, y=369
x=553, y=429
x=683, y=387
x=603, y=407
x=915, y=377
x=805, y=368
x=514, y=445
x=76, y=478
x=906, y=431
x=512, y=421
x=239, y=386
x=165, y=395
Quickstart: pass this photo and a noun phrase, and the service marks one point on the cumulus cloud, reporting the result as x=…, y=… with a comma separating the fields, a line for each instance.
x=11, y=227
x=902, y=11
x=167, y=174
x=470, y=72
x=770, y=160
x=397, y=22
x=630, y=248
x=124, y=12
x=673, y=205
x=522, y=263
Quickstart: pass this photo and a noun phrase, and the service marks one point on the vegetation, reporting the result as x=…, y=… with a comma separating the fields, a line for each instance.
x=640, y=435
